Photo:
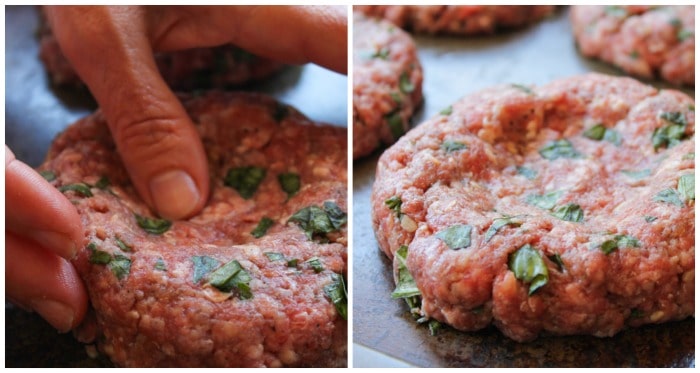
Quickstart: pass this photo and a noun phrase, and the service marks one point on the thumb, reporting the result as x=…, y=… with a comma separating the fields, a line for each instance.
x=157, y=141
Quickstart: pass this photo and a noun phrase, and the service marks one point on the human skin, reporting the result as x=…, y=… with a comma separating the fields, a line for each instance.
x=111, y=49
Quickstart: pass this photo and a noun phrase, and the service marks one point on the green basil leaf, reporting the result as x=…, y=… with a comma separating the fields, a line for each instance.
x=395, y=124
x=686, y=187
x=669, y=196
x=152, y=225
x=637, y=175
x=98, y=256
x=123, y=246
x=312, y=220
x=394, y=204
x=545, y=201
x=405, y=84
x=245, y=180
x=120, y=266
x=671, y=134
x=396, y=97
x=556, y=258
x=202, y=266
x=457, y=236
x=446, y=111
x=434, y=327
x=406, y=286
x=274, y=256
x=79, y=188
x=290, y=183
x=685, y=34
x=596, y=132
x=264, y=224
x=316, y=264
x=337, y=217
x=382, y=53
x=232, y=276
x=528, y=266
x=559, y=149
x=452, y=146
x=528, y=173
x=292, y=263
x=618, y=242
x=650, y=219
x=102, y=183
x=634, y=55
x=499, y=223
x=523, y=88
x=338, y=295
x=48, y=175
x=569, y=212
x=160, y=265
x=690, y=155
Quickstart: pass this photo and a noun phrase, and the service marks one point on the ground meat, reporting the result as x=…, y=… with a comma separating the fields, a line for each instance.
x=567, y=208
x=155, y=295
x=201, y=68
x=646, y=41
x=387, y=83
x=459, y=19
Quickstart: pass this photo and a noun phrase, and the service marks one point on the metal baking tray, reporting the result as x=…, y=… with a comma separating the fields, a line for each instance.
x=383, y=328
x=35, y=112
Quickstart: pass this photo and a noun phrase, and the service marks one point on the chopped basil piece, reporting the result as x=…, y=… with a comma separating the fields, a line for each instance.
x=123, y=246
x=686, y=187
x=292, y=263
x=596, y=132
x=616, y=11
x=153, y=225
x=690, y=155
x=569, y=212
x=675, y=22
x=120, y=266
x=405, y=84
x=671, y=134
x=457, y=236
x=102, y=183
x=499, y=223
x=290, y=183
x=314, y=220
x=280, y=112
x=685, y=34
x=395, y=124
x=80, y=188
x=528, y=266
x=446, y=111
x=382, y=53
x=405, y=286
x=274, y=256
x=394, y=204
x=669, y=196
x=523, y=88
x=338, y=295
x=556, y=258
x=316, y=264
x=618, y=242
x=232, y=276
x=264, y=224
x=559, y=149
x=48, y=175
x=545, y=201
x=650, y=219
x=634, y=55
x=337, y=216
x=245, y=180
x=637, y=175
x=396, y=96
x=202, y=266
x=452, y=146
x=691, y=107
x=528, y=173
x=160, y=265
x=434, y=327
x=98, y=256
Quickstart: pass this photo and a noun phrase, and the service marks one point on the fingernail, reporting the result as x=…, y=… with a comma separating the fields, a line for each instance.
x=56, y=242
x=56, y=313
x=175, y=194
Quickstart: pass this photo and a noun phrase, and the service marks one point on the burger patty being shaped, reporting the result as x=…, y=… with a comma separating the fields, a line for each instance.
x=562, y=209
x=256, y=279
x=459, y=19
x=642, y=40
x=387, y=83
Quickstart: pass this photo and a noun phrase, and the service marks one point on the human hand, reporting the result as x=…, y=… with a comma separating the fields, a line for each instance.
x=111, y=49
x=42, y=233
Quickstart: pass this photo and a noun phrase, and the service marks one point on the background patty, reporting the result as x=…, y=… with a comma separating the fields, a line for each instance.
x=511, y=162
x=387, y=83
x=459, y=19
x=646, y=41
x=155, y=295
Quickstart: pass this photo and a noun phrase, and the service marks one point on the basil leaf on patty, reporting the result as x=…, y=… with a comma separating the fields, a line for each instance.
x=120, y=266
x=528, y=173
x=618, y=241
x=232, y=276
x=556, y=258
x=290, y=183
x=123, y=246
x=381, y=53
x=686, y=187
x=337, y=216
x=405, y=286
x=245, y=180
x=48, y=175
x=316, y=264
x=649, y=219
x=452, y=146
x=559, y=149
x=153, y=225
x=669, y=196
x=528, y=266
x=262, y=227
x=79, y=188
x=202, y=266
x=600, y=132
x=102, y=183
x=569, y=212
x=405, y=84
x=338, y=295
x=637, y=175
x=671, y=134
x=394, y=204
x=160, y=265
x=98, y=256
x=395, y=124
x=457, y=236
x=545, y=201
x=274, y=256
x=523, y=88
x=499, y=223
x=446, y=111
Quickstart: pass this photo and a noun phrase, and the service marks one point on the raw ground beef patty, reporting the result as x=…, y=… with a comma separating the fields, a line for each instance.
x=202, y=68
x=250, y=281
x=387, y=83
x=567, y=209
x=646, y=41
x=459, y=19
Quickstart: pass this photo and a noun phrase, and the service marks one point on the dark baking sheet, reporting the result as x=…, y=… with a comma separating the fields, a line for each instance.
x=35, y=112
x=454, y=67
